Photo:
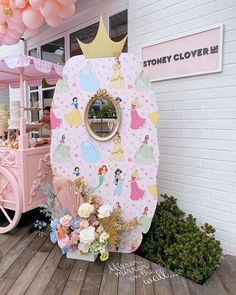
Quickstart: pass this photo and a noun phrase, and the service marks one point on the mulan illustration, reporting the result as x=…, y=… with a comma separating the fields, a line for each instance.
x=101, y=177
x=118, y=183
x=144, y=155
x=74, y=118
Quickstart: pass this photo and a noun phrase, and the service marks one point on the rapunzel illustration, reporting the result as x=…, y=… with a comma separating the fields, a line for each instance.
x=136, y=121
x=117, y=79
x=118, y=183
x=144, y=155
x=117, y=153
x=62, y=152
x=74, y=118
x=101, y=176
x=136, y=192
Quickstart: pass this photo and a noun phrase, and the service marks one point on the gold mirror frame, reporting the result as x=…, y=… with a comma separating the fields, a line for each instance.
x=102, y=93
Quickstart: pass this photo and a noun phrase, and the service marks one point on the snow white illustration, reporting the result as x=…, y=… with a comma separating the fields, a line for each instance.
x=74, y=118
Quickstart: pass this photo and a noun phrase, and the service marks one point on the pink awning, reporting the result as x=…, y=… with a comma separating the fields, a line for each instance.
x=34, y=71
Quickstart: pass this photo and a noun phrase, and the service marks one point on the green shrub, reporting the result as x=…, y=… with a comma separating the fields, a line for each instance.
x=176, y=242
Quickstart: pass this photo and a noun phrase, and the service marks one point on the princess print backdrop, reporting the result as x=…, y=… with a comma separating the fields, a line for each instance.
x=123, y=170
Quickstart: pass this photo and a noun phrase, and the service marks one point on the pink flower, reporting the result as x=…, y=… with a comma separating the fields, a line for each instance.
x=65, y=220
x=74, y=236
x=64, y=242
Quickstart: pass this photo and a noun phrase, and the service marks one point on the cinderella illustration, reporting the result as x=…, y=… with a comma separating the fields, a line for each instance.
x=145, y=221
x=74, y=118
x=62, y=152
x=117, y=153
x=88, y=79
x=90, y=151
x=136, y=121
x=101, y=177
x=136, y=192
x=142, y=82
x=117, y=79
x=118, y=183
x=144, y=155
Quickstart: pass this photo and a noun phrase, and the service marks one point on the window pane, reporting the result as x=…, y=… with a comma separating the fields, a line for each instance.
x=33, y=52
x=34, y=102
x=85, y=35
x=54, y=51
x=119, y=27
x=47, y=97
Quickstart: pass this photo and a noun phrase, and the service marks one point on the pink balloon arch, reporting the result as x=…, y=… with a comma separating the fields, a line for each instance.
x=20, y=17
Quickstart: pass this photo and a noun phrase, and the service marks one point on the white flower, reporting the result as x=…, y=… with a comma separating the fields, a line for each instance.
x=65, y=220
x=103, y=237
x=104, y=211
x=85, y=210
x=87, y=235
x=83, y=247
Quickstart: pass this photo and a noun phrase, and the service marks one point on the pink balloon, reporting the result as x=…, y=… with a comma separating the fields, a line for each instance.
x=21, y=28
x=36, y=4
x=67, y=11
x=16, y=16
x=21, y=3
x=32, y=18
x=14, y=34
x=66, y=2
x=12, y=3
x=9, y=40
x=3, y=16
x=31, y=32
x=54, y=21
x=50, y=9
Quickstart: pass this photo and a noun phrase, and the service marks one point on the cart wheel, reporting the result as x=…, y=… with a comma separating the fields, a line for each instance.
x=10, y=201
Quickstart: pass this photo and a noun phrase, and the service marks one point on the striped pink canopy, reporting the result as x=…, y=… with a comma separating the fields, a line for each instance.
x=34, y=70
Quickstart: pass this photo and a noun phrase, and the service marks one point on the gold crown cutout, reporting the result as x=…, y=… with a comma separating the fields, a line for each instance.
x=102, y=45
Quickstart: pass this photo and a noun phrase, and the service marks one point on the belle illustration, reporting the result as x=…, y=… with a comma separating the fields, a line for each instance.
x=117, y=79
x=90, y=152
x=142, y=82
x=136, y=121
x=101, y=177
x=117, y=154
x=145, y=221
x=144, y=155
x=62, y=152
x=74, y=118
x=136, y=192
x=88, y=79
x=118, y=183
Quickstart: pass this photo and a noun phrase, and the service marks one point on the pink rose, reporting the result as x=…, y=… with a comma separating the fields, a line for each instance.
x=65, y=220
x=64, y=242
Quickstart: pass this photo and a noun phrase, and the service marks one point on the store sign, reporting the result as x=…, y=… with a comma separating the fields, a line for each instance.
x=187, y=55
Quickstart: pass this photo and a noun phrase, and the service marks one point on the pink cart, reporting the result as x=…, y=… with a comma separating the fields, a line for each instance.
x=23, y=170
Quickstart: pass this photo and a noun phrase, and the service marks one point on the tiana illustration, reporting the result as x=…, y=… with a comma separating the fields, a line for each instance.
x=90, y=151
x=136, y=121
x=74, y=118
x=136, y=192
x=101, y=176
x=142, y=82
x=88, y=79
x=117, y=79
x=62, y=152
x=118, y=183
x=62, y=85
x=144, y=155
x=145, y=221
x=117, y=153
x=76, y=172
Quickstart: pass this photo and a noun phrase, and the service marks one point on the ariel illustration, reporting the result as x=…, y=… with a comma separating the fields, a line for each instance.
x=62, y=85
x=142, y=82
x=145, y=221
x=117, y=79
x=136, y=192
x=88, y=79
x=117, y=153
x=62, y=152
x=74, y=118
x=101, y=177
x=90, y=151
x=118, y=183
x=144, y=155
x=136, y=121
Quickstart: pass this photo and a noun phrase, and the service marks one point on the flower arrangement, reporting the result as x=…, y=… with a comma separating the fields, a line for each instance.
x=92, y=227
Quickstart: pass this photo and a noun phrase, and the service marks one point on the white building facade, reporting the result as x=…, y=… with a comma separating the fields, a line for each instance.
x=197, y=125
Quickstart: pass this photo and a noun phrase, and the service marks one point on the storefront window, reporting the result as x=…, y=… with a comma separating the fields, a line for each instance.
x=54, y=51
x=118, y=27
x=33, y=52
x=34, y=102
x=85, y=35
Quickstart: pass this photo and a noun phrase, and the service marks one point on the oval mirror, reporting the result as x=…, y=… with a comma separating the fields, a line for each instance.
x=102, y=116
